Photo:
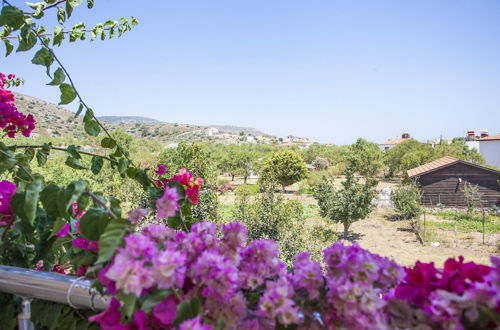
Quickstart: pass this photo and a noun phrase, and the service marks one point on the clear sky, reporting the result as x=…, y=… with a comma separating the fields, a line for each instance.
x=330, y=70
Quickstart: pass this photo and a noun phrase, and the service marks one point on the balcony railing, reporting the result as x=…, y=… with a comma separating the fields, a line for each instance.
x=65, y=289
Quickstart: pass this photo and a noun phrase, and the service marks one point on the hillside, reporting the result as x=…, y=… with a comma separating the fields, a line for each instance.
x=54, y=120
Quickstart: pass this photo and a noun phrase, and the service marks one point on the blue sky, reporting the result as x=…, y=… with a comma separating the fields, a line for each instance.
x=329, y=70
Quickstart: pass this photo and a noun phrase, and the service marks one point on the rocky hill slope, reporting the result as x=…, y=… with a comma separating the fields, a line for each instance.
x=54, y=120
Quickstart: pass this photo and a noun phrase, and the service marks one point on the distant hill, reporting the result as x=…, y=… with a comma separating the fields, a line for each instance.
x=54, y=120
x=129, y=120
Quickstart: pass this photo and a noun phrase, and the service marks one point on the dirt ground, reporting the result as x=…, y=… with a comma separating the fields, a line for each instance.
x=396, y=240
x=381, y=233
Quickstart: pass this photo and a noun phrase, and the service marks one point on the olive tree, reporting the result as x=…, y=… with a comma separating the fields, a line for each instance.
x=285, y=168
x=349, y=204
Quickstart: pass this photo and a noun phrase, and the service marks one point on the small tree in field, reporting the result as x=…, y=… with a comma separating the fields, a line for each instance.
x=406, y=201
x=349, y=204
x=472, y=197
x=284, y=167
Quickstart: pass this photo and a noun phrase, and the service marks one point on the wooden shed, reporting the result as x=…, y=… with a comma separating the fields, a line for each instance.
x=442, y=181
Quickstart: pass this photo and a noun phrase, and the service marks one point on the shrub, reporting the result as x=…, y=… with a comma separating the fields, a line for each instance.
x=406, y=201
x=271, y=217
x=247, y=189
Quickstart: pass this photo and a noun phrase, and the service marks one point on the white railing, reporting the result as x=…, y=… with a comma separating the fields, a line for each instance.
x=31, y=284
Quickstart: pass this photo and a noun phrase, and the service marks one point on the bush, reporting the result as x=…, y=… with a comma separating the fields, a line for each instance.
x=406, y=201
x=270, y=217
x=247, y=189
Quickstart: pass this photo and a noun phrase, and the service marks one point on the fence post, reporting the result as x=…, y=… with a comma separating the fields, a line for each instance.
x=483, y=224
x=455, y=227
x=425, y=212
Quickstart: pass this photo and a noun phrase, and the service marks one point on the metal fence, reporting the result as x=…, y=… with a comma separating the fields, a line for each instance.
x=31, y=284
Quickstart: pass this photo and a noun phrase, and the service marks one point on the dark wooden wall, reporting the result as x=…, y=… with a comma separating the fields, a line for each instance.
x=443, y=186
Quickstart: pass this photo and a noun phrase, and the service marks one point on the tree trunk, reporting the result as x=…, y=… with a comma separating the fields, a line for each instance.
x=232, y=177
x=346, y=230
x=245, y=180
x=283, y=189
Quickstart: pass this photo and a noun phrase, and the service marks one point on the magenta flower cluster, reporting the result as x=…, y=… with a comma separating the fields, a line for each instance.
x=244, y=284
x=13, y=121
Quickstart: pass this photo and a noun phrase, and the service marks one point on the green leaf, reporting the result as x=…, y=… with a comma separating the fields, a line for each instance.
x=68, y=94
x=70, y=5
x=11, y=16
x=74, y=151
x=111, y=239
x=58, y=225
x=154, y=299
x=61, y=15
x=93, y=223
x=8, y=47
x=97, y=163
x=79, y=111
x=42, y=154
x=43, y=57
x=187, y=310
x=122, y=165
x=68, y=196
x=90, y=4
x=58, y=36
x=74, y=163
x=129, y=302
x=132, y=172
x=33, y=190
x=92, y=128
x=59, y=77
x=26, y=42
x=108, y=143
x=49, y=198
x=142, y=178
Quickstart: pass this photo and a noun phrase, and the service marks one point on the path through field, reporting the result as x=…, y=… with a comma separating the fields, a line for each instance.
x=395, y=239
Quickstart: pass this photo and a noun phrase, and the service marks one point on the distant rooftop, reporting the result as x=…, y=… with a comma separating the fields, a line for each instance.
x=441, y=162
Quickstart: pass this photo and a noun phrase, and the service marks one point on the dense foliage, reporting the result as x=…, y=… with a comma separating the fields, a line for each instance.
x=406, y=200
x=285, y=168
x=353, y=202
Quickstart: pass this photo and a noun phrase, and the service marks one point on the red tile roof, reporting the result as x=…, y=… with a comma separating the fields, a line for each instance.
x=392, y=142
x=491, y=138
x=441, y=162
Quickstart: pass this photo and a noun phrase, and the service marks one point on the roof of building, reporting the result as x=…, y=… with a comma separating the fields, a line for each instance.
x=442, y=163
x=393, y=141
x=495, y=137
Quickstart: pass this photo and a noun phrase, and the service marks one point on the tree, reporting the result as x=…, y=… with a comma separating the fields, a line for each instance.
x=406, y=200
x=285, y=168
x=408, y=155
x=321, y=163
x=368, y=157
x=349, y=204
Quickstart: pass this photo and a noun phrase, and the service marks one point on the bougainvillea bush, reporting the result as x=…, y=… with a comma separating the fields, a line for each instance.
x=164, y=269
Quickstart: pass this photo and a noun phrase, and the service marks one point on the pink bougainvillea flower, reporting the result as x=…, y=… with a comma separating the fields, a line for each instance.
x=110, y=318
x=13, y=121
x=136, y=215
x=7, y=190
x=58, y=269
x=63, y=231
x=167, y=205
x=161, y=170
x=82, y=270
x=194, y=324
x=164, y=313
x=192, y=193
x=141, y=320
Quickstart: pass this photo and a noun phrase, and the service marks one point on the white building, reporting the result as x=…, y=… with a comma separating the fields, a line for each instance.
x=489, y=147
x=293, y=138
x=391, y=143
x=211, y=131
